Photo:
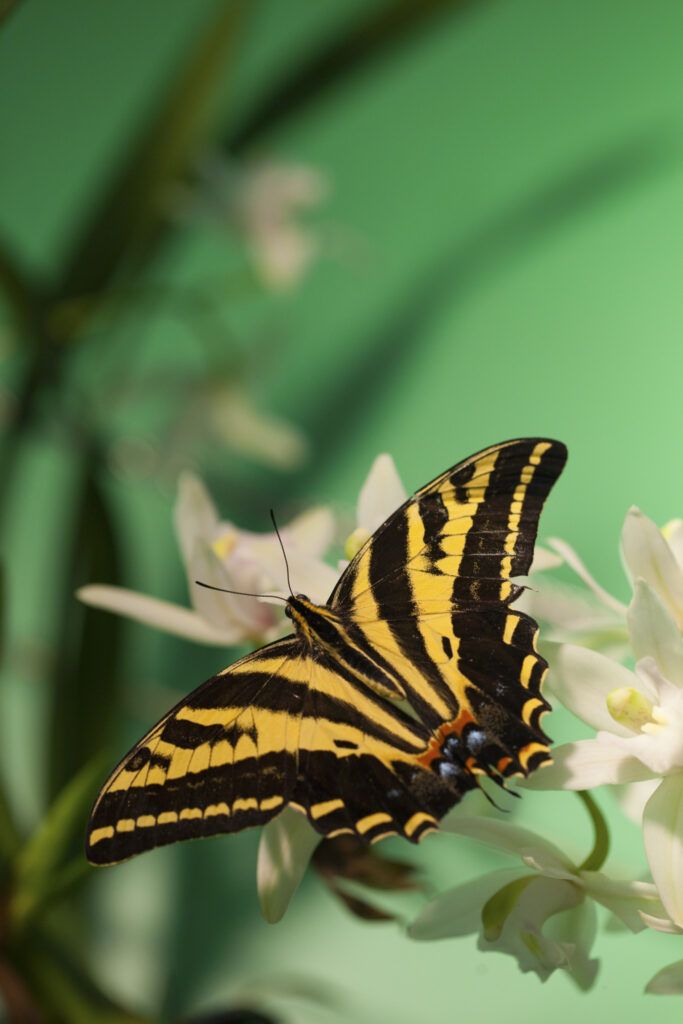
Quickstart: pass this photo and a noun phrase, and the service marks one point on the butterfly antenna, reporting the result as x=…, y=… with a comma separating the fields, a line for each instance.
x=284, y=553
x=240, y=593
x=501, y=783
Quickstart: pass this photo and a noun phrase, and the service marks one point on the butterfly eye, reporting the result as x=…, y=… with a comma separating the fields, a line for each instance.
x=288, y=611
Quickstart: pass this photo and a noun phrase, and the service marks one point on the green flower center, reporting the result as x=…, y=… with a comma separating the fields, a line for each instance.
x=631, y=708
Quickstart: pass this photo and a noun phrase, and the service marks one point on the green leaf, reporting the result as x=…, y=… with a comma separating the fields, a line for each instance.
x=86, y=683
x=367, y=39
x=47, y=867
x=10, y=839
x=62, y=986
x=128, y=216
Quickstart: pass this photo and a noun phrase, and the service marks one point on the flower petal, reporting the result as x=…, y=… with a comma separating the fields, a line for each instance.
x=458, y=911
x=194, y=514
x=629, y=901
x=672, y=532
x=574, y=562
x=151, y=611
x=585, y=764
x=663, y=835
x=544, y=559
x=647, y=556
x=668, y=981
x=309, y=575
x=653, y=632
x=249, y=616
x=523, y=935
x=582, y=680
x=381, y=494
x=632, y=798
x=575, y=929
x=509, y=838
x=661, y=924
x=285, y=849
x=570, y=614
x=311, y=531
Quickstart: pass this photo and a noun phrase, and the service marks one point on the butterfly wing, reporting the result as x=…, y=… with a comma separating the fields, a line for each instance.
x=431, y=594
x=278, y=727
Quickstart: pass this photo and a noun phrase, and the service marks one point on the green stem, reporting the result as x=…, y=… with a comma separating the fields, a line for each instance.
x=598, y=855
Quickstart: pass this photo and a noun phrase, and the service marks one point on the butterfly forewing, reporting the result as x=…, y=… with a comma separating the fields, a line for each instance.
x=431, y=592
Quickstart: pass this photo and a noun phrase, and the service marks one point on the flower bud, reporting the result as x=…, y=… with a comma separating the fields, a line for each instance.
x=355, y=542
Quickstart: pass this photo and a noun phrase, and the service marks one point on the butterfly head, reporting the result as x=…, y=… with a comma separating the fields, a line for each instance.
x=316, y=624
x=296, y=606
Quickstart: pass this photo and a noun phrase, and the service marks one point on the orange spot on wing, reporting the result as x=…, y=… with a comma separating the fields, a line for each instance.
x=435, y=748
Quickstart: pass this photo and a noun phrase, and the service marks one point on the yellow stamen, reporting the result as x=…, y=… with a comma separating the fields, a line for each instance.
x=225, y=544
x=657, y=721
x=630, y=707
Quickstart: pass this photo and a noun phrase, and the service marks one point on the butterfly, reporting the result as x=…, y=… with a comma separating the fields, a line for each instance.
x=386, y=704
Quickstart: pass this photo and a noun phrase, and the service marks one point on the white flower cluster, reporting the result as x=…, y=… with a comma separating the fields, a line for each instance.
x=543, y=911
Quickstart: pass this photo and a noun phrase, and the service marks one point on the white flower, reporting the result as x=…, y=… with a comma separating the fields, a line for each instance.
x=593, y=617
x=220, y=554
x=639, y=718
x=263, y=200
x=541, y=912
x=268, y=200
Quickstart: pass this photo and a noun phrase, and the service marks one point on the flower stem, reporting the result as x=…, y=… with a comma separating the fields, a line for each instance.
x=598, y=855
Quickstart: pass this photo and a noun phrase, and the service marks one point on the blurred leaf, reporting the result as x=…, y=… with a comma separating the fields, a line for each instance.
x=368, y=39
x=18, y=1003
x=85, y=684
x=46, y=867
x=18, y=290
x=62, y=987
x=130, y=211
x=234, y=1016
x=10, y=839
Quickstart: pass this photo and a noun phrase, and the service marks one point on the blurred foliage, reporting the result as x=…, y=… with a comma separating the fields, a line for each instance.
x=123, y=359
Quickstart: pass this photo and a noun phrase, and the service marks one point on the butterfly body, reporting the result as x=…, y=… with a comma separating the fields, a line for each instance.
x=326, y=634
x=387, y=703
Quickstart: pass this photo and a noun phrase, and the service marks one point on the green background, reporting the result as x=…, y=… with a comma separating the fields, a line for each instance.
x=505, y=242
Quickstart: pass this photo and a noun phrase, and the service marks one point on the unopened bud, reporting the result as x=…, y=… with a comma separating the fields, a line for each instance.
x=355, y=542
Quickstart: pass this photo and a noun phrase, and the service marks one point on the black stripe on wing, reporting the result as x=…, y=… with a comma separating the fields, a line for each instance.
x=484, y=556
